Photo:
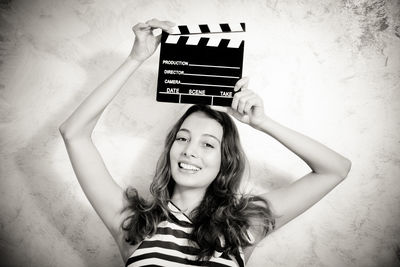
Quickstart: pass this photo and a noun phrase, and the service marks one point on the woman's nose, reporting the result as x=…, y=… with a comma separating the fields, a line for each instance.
x=190, y=150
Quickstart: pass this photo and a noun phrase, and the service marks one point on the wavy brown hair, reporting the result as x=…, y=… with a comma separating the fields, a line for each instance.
x=222, y=214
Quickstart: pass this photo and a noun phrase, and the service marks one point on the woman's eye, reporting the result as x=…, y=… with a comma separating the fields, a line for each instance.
x=208, y=145
x=183, y=139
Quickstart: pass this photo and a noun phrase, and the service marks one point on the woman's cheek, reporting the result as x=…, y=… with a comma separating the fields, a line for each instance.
x=214, y=159
x=174, y=153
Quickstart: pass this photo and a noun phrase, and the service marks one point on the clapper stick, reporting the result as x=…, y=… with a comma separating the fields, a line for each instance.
x=200, y=70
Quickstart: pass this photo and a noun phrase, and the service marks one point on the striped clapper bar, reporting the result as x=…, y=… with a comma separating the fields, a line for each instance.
x=200, y=70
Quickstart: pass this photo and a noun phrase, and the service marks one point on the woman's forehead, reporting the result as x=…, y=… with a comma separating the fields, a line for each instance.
x=199, y=122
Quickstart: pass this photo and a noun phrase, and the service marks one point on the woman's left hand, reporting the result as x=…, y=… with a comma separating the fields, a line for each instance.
x=247, y=106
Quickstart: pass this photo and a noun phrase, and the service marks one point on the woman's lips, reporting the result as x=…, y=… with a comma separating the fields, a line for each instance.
x=188, y=167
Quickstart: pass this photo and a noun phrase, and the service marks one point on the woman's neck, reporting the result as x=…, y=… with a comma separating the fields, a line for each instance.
x=187, y=199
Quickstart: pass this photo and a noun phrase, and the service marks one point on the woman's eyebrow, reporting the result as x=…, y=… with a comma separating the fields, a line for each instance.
x=212, y=136
x=183, y=130
x=206, y=134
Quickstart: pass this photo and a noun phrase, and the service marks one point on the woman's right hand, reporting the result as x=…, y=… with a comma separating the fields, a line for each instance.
x=145, y=42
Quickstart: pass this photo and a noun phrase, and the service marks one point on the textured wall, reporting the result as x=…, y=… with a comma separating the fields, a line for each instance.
x=329, y=69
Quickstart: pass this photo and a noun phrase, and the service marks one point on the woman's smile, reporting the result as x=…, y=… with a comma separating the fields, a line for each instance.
x=184, y=166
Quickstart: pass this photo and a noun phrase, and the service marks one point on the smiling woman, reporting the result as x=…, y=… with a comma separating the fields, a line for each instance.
x=196, y=216
x=199, y=174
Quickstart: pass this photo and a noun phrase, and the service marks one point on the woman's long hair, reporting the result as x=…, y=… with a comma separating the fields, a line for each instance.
x=221, y=220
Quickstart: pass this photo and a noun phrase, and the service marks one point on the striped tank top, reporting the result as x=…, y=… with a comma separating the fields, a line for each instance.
x=170, y=246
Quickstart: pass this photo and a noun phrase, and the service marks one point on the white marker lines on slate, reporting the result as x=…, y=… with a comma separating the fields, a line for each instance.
x=204, y=84
x=207, y=75
x=213, y=66
x=167, y=93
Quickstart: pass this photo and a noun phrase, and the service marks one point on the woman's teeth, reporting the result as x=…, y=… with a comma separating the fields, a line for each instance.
x=188, y=167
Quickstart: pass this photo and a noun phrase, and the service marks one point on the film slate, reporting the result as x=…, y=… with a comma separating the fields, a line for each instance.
x=200, y=70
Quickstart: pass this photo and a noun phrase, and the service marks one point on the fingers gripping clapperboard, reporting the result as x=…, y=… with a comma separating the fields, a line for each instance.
x=200, y=70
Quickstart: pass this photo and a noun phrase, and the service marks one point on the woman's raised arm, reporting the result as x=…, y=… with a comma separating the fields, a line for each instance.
x=328, y=168
x=83, y=120
x=105, y=195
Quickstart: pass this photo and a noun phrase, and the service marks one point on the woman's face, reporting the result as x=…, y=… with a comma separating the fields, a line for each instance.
x=195, y=155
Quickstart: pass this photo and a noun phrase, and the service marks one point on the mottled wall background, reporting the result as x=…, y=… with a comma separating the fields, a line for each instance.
x=329, y=69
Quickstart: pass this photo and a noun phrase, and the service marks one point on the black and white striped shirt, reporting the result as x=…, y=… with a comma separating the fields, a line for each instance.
x=171, y=246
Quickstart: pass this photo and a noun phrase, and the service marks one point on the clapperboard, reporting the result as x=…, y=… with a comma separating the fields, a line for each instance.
x=200, y=70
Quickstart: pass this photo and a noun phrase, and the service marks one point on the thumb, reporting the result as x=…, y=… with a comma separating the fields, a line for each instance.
x=158, y=39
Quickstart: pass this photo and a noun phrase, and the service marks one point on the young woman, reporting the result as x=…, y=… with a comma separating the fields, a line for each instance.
x=197, y=217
